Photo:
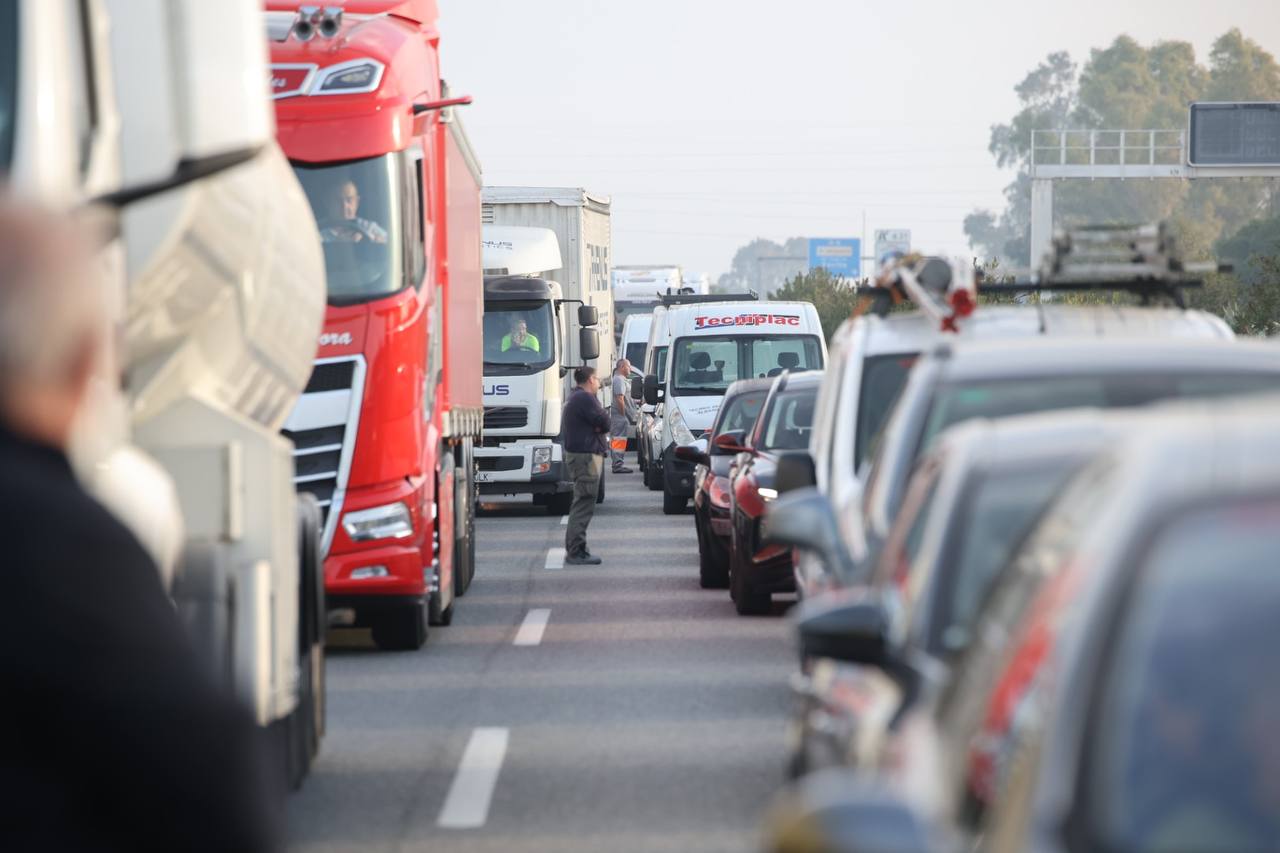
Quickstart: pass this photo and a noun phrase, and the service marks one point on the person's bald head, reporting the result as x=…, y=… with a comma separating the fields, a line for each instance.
x=51, y=320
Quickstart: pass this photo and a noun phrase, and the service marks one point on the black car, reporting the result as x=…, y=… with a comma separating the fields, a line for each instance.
x=742, y=404
x=756, y=569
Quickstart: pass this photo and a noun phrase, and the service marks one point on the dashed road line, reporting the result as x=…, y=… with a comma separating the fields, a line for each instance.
x=555, y=559
x=467, y=804
x=564, y=520
x=531, y=630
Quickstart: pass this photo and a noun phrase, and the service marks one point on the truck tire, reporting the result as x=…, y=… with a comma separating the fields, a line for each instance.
x=312, y=625
x=436, y=616
x=673, y=504
x=464, y=543
x=401, y=630
x=600, y=490
x=559, y=503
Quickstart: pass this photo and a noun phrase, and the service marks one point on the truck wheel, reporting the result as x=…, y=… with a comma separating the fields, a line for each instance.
x=402, y=629
x=673, y=504
x=464, y=551
x=600, y=490
x=560, y=503
x=436, y=616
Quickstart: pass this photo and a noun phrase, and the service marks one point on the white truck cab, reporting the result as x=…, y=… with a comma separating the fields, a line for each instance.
x=712, y=345
x=526, y=372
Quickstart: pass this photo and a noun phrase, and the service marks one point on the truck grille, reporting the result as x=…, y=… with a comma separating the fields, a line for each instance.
x=323, y=429
x=505, y=417
x=499, y=463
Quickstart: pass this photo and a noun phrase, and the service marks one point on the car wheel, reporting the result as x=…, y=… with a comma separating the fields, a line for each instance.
x=746, y=600
x=673, y=504
x=653, y=476
x=713, y=567
x=402, y=629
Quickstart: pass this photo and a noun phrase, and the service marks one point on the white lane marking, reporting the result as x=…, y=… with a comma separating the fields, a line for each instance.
x=564, y=520
x=535, y=622
x=467, y=804
x=555, y=559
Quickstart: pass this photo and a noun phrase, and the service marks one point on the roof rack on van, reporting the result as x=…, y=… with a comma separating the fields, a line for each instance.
x=1141, y=259
x=691, y=298
x=945, y=289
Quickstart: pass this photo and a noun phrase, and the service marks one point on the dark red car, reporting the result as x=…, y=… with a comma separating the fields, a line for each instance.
x=757, y=570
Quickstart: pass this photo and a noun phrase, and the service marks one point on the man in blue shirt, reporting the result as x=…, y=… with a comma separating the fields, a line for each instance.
x=583, y=429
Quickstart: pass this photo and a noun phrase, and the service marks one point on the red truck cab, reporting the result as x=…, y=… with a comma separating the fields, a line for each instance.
x=385, y=429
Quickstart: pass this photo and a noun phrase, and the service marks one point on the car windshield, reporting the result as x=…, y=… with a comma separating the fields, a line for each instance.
x=790, y=420
x=883, y=378
x=8, y=81
x=518, y=335
x=357, y=209
x=997, y=513
x=1186, y=756
x=707, y=365
x=1007, y=397
x=739, y=412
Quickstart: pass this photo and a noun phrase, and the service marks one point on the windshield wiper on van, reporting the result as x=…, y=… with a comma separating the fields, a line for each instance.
x=701, y=389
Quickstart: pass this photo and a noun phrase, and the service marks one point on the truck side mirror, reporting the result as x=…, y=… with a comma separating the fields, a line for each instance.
x=651, y=389
x=588, y=344
x=588, y=316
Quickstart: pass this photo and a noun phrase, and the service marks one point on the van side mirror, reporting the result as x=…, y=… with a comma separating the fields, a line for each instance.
x=588, y=316
x=651, y=390
x=795, y=471
x=804, y=519
x=850, y=626
x=588, y=344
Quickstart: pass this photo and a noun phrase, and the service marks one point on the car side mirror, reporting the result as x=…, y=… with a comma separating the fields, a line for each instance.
x=651, y=389
x=840, y=810
x=588, y=315
x=795, y=471
x=851, y=626
x=588, y=344
x=803, y=519
x=695, y=453
x=637, y=388
x=731, y=443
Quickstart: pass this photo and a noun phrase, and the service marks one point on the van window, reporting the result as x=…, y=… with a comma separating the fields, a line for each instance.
x=707, y=365
x=883, y=378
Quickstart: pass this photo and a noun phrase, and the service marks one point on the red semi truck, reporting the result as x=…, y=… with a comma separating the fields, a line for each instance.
x=385, y=430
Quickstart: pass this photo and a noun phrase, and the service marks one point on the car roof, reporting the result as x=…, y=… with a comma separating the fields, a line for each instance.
x=1035, y=436
x=797, y=379
x=914, y=331
x=746, y=386
x=1072, y=356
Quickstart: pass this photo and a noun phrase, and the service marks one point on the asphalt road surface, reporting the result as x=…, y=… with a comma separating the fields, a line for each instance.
x=615, y=707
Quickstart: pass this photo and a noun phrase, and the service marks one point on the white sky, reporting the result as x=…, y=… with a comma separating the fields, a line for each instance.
x=712, y=122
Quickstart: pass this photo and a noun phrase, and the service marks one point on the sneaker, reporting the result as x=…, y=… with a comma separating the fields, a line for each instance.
x=583, y=559
x=623, y=471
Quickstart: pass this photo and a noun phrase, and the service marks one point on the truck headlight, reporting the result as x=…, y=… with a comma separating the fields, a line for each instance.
x=390, y=521
x=680, y=431
x=541, y=460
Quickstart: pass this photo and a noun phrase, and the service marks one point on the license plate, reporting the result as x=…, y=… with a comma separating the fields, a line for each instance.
x=483, y=477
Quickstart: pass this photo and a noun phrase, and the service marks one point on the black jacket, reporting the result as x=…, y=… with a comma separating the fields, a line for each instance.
x=585, y=423
x=111, y=735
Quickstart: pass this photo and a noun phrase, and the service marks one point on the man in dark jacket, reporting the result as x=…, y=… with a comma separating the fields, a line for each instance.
x=584, y=427
x=113, y=738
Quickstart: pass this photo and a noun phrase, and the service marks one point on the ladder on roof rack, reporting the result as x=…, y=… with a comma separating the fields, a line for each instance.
x=1140, y=259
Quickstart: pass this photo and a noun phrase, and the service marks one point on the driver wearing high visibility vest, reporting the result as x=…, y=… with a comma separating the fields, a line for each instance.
x=520, y=338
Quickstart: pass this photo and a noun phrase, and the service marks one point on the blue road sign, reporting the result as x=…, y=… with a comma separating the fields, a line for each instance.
x=840, y=256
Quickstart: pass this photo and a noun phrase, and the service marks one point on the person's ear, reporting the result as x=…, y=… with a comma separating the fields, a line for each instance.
x=83, y=365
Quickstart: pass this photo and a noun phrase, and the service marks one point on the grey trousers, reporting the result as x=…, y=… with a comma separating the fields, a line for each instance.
x=584, y=471
x=617, y=429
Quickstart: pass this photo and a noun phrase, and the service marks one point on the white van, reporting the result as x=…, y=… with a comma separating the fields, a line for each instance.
x=649, y=427
x=635, y=340
x=711, y=345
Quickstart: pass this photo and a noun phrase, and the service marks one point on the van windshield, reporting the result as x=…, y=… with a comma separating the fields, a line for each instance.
x=356, y=205
x=707, y=365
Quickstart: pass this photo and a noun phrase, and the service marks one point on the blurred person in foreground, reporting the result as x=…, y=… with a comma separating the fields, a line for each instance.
x=114, y=737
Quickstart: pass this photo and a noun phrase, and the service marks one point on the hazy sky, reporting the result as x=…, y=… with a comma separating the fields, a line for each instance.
x=712, y=122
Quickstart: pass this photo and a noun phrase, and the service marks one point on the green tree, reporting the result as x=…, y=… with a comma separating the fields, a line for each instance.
x=1127, y=85
x=764, y=265
x=834, y=298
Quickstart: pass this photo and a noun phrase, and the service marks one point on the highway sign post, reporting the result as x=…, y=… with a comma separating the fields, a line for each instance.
x=840, y=256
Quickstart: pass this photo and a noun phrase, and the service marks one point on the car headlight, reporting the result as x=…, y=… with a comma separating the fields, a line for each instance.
x=541, y=460
x=680, y=431
x=767, y=494
x=391, y=521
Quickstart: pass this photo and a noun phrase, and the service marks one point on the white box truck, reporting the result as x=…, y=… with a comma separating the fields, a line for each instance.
x=548, y=309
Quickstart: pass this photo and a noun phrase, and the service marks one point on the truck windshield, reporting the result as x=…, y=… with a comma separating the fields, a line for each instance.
x=8, y=81
x=357, y=206
x=519, y=337
x=707, y=365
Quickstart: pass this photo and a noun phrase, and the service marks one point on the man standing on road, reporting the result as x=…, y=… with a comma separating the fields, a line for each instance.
x=584, y=426
x=115, y=739
x=622, y=414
